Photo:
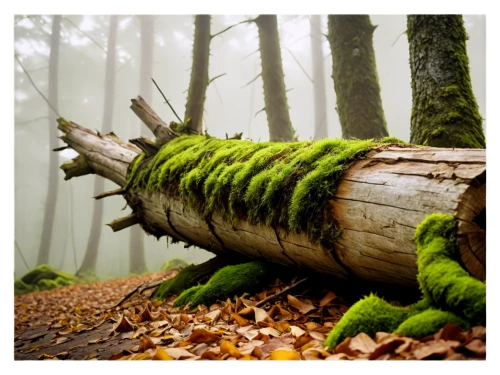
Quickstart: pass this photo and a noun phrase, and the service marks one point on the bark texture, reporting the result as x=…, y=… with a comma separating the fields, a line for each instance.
x=445, y=112
x=319, y=92
x=355, y=77
x=276, y=105
x=50, y=202
x=377, y=205
x=199, y=74
x=90, y=258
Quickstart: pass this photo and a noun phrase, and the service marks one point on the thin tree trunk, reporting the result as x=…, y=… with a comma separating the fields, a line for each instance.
x=355, y=78
x=377, y=205
x=275, y=101
x=90, y=259
x=320, y=122
x=50, y=202
x=137, y=259
x=199, y=73
x=445, y=112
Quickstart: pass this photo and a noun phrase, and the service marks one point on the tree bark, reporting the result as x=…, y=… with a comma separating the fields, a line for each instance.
x=318, y=65
x=355, y=78
x=445, y=112
x=199, y=74
x=276, y=105
x=90, y=258
x=137, y=259
x=50, y=202
x=378, y=204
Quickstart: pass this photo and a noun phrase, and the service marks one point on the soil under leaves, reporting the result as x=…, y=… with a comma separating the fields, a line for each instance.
x=82, y=322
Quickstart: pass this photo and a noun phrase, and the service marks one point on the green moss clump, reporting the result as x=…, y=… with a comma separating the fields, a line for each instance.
x=176, y=285
x=228, y=282
x=450, y=294
x=269, y=183
x=173, y=264
x=429, y=322
x=369, y=315
x=43, y=277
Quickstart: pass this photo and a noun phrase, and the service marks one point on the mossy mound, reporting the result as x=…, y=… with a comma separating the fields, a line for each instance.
x=268, y=183
x=226, y=283
x=183, y=280
x=42, y=277
x=450, y=294
x=173, y=264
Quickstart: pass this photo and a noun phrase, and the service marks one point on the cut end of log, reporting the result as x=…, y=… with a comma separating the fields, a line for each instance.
x=471, y=232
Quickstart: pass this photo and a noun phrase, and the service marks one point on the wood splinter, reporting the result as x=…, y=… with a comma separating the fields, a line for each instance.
x=124, y=222
x=76, y=167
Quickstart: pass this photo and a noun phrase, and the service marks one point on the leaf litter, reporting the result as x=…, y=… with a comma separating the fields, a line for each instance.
x=293, y=327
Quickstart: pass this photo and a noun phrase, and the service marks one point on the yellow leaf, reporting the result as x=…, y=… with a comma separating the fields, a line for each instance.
x=285, y=355
x=227, y=347
x=162, y=355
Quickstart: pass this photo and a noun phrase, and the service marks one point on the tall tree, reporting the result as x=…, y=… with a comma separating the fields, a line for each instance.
x=275, y=101
x=355, y=78
x=137, y=261
x=320, y=123
x=90, y=259
x=199, y=73
x=445, y=112
x=50, y=202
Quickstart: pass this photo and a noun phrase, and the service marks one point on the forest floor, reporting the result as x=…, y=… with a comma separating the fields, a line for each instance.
x=84, y=322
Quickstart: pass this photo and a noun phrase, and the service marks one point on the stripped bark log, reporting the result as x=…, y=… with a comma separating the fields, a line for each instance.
x=378, y=205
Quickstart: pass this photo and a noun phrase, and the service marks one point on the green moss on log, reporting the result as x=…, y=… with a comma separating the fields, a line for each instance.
x=228, y=282
x=270, y=183
x=176, y=285
x=450, y=294
x=43, y=277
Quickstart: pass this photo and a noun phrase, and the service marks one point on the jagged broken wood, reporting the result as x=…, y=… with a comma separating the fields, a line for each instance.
x=124, y=222
x=378, y=204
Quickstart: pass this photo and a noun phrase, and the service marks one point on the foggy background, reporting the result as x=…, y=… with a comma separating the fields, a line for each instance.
x=229, y=108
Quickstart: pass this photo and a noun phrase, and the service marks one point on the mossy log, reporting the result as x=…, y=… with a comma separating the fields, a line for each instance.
x=345, y=208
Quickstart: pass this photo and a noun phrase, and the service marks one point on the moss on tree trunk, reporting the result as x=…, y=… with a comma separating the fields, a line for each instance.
x=278, y=117
x=199, y=73
x=355, y=78
x=444, y=112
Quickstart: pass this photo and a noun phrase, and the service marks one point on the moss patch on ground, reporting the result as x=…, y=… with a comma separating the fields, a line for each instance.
x=268, y=183
x=43, y=277
x=450, y=294
x=173, y=264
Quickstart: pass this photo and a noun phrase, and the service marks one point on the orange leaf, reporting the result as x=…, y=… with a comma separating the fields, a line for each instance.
x=162, y=355
x=330, y=296
x=202, y=335
x=303, y=307
x=242, y=322
x=285, y=355
x=146, y=343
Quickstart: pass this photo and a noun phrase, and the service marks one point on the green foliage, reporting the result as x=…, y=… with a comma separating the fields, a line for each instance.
x=451, y=295
x=268, y=183
x=173, y=264
x=228, y=282
x=43, y=277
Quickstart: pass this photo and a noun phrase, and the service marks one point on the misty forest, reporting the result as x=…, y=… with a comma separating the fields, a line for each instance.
x=259, y=187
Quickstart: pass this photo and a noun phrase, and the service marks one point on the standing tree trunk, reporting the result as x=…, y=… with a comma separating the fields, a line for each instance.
x=90, y=259
x=50, y=202
x=199, y=74
x=320, y=123
x=355, y=78
x=278, y=117
x=445, y=112
x=137, y=260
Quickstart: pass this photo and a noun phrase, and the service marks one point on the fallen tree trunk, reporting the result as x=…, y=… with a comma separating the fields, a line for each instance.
x=377, y=204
